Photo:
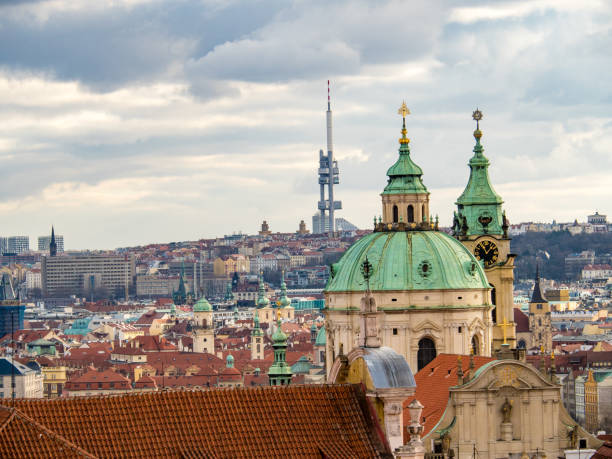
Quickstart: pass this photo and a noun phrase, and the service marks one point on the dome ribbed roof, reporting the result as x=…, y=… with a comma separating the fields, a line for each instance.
x=411, y=260
x=202, y=305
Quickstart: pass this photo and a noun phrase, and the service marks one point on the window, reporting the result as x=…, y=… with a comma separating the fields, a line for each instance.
x=475, y=345
x=426, y=352
x=539, y=306
x=459, y=329
x=423, y=216
x=395, y=331
x=393, y=299
x=410, y=214
x=395, y=215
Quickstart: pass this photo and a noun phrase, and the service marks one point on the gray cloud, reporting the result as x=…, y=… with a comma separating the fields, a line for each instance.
x=174, y=120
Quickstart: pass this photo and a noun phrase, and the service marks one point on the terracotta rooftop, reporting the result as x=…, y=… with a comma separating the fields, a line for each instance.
x=604, y=451
x=433, y=386
x=290, y=421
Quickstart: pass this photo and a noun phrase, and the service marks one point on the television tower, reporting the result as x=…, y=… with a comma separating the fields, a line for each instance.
x=328, y=176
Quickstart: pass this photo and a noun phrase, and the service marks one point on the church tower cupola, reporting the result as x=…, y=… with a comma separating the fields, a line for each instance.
x=405, y=198
x=479, y=208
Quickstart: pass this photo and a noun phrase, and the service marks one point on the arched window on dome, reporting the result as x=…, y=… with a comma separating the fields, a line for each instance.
x=410, y=214
x=475, y=345
x=494, y=303
x=423, y=216
x=426, y=352
x=395, y=214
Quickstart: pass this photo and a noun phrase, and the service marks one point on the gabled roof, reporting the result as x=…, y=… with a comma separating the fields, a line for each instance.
x=238, y=423
x=21, y=436
x=433, y=385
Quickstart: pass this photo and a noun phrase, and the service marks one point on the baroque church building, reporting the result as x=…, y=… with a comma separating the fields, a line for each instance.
x=433, y=293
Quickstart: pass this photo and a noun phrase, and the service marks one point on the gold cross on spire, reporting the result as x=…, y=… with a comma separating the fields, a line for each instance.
x=503, y=325
x=403, y=110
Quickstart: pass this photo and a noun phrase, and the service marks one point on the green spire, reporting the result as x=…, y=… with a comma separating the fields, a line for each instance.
x=479, y=206
x=405, y=175
x=229, y=295
x=180, y=295
x=279, y=372
x=284, y=301
x=256, y=330
x=262, y=299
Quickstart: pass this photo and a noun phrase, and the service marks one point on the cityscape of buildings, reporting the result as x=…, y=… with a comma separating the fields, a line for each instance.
x=433, y=313
x=443, y=328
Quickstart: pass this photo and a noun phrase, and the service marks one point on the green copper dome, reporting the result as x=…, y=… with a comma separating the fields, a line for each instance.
x=279, y=336
x=407, y=260
x=202, y=305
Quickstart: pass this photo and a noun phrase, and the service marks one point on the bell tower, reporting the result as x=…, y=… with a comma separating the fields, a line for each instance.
x=203, y=327
x=481, y=225
x=405, y=198
x=540, y=324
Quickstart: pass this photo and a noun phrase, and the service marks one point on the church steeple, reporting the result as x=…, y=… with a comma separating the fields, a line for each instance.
x=280, y=371
x=537, y=297
x=262, y=299
x=479, y=208
x=180, y=295
x=257, y=344
x=284, y=300
x=52, y=244
x=405, y=198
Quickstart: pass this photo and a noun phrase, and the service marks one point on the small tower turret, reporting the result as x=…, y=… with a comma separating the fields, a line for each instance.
x=405, y=198
x=280, y=371
x=203, y=328
x=540, y=324
x=257, y=340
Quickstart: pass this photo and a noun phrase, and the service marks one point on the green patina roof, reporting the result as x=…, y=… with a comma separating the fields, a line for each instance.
x=302, y=366
x=279, y=336
x=321, y=337
x=405, y=175
x=479, y=205
x=202, y=305
x=411, y=260
x=479, y=189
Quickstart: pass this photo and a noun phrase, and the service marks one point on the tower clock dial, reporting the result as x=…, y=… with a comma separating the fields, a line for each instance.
x=487, y=251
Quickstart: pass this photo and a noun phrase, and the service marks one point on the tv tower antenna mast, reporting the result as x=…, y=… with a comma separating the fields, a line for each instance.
x=328, y=176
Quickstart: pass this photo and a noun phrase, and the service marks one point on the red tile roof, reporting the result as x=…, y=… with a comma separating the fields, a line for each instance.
x=433, y=386
x=21, y=436
x=298, y=421
x=604, y=452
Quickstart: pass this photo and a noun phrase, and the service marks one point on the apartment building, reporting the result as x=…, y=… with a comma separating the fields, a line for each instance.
x=68, y=275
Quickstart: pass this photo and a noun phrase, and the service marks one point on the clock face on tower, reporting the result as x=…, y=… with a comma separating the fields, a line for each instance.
x=487, y=251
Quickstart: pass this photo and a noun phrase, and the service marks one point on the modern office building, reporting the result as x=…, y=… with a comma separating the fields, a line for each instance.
x=18, y=244
x=69, y=275
x=44, y=241
x=11, y=309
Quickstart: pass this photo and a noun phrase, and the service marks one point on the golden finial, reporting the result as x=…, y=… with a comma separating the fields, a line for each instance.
x=477, y=116
x=403, y=110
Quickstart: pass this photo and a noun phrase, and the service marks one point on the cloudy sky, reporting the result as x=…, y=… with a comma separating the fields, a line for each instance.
x=127, y=122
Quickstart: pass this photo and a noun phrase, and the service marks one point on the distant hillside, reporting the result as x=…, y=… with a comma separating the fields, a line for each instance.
x=558, y=245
